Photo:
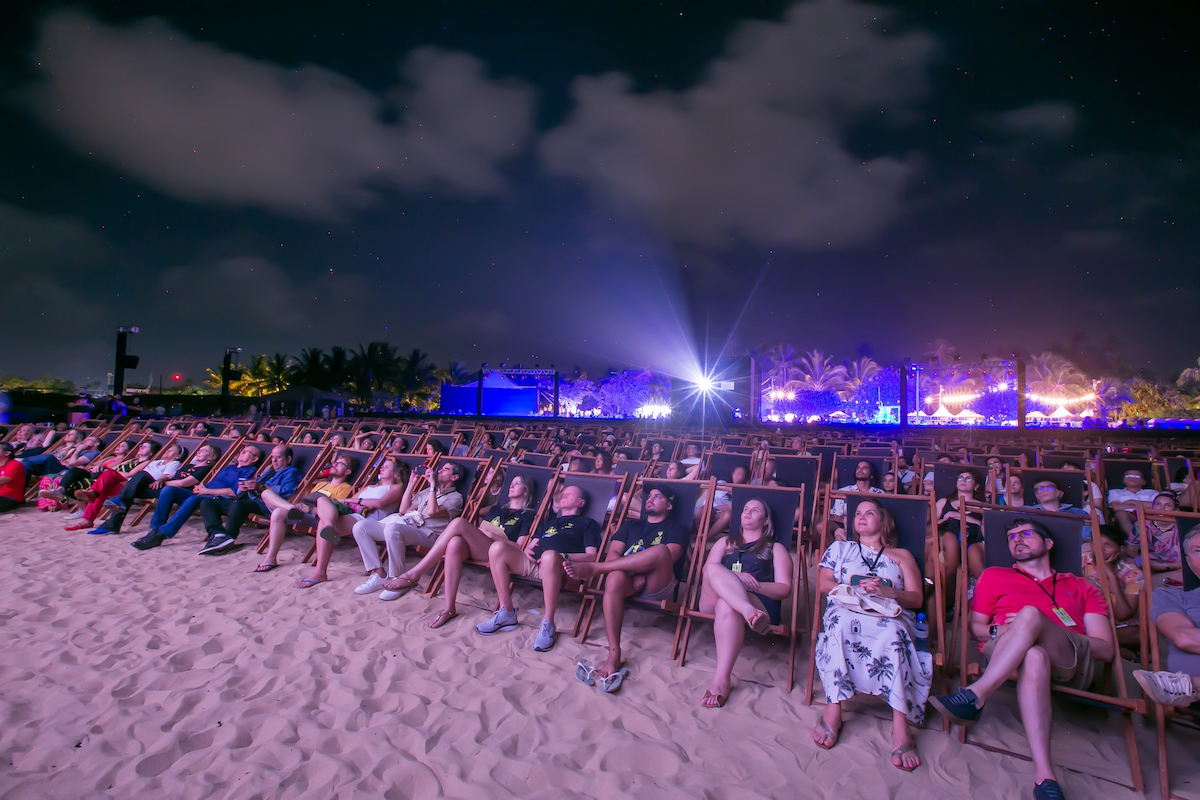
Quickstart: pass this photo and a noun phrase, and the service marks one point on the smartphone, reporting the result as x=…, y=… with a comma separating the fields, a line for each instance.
x=420, y=470
x=855, y=580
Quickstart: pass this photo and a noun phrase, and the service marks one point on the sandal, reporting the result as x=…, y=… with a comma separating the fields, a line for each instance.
x=760, y=623
x=78, y=526
x=612, y=682
x=830, y=732
x=265, y=567
x=585, y=672
x=441, y=619
x=306, y=583
x=720, y=698
x=900, y=752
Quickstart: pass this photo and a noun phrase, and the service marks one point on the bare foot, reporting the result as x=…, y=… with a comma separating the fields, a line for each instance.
x=309, y=582
x=613, y=663
x=904, y=752
x=639, y=583
x=580, y=571
x=400, y=583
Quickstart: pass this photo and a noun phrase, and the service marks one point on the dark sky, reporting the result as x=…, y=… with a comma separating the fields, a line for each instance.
x=597, y=183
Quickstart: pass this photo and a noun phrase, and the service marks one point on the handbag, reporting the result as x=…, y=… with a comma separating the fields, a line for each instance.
x=851, y=598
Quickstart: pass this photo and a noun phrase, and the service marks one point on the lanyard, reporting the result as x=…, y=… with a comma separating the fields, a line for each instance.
x=869, y=565
x=1037, y=583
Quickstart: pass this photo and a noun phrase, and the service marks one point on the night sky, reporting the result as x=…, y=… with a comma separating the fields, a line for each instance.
x=598, y=184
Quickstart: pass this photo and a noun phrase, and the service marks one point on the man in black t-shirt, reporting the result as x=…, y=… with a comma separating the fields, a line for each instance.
x=643, y=559
x=570, y=537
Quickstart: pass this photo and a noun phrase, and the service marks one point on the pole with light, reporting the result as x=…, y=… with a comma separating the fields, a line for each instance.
x=124, y=361
x=226, y=376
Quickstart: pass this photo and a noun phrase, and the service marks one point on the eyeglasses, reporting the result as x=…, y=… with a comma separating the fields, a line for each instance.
x=1017, y=536
x=1049, y=488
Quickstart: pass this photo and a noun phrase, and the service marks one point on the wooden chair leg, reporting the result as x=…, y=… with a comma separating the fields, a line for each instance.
x=677, y=644
x=1135, y=761
x=683, y=646
x=262, y=544
x=1164, y=777
x=311, y=552
x=583, y=607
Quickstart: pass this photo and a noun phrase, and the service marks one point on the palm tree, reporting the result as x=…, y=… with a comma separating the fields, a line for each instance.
x=455, y=373
x=1111, y=395
x=781, y=365
x=817, y=373
x=277, y=373
x=1189, y=377
x=941, y=352
x=311, y=369
x=373, y=368
x=337, y=366
x=1050, y=374
x=417, y=379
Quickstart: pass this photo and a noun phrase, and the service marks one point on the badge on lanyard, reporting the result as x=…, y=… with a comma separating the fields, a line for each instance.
x=1064, y=617
x=737, y=566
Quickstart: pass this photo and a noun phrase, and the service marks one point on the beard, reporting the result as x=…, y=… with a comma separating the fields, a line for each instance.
x=1024, y=553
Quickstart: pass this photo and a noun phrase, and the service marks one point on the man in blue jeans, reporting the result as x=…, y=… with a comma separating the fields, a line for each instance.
x=225, y=483
x=281, y=478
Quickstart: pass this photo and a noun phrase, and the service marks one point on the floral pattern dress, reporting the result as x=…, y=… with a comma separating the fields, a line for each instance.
x=872, y=655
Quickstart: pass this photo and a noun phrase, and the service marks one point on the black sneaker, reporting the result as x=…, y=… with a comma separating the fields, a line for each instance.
x=151, y=539
x=218, y=543
x=1048, y=790
x=959, y=707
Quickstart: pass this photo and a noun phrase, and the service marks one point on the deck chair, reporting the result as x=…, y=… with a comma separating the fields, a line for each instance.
x=1112, y=473
x=362, y=460
x=537, y=459
x=1191, y=582
x=783, y=504
x=874, y=451
x=636, y=468
x=542, y=479
x=794, y=472
x=697, y=521
x=826, y=453
x=191, y=444
x=1030, y=453
x=1067, y=556
x=720, y=465
x=945, y=479
x=1072, y=482
x=844, y=467
x=915, y=516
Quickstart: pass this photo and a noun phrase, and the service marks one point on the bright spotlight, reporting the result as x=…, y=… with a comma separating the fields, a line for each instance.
x=705, y=384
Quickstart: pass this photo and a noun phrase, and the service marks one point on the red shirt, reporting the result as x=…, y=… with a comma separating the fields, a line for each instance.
x=1001, y=591
x=15, y=488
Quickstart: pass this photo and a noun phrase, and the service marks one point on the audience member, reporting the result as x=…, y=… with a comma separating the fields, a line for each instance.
x=189, y=487
x=251, y=497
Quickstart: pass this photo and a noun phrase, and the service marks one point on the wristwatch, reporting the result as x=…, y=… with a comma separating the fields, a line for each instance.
x=995, y=629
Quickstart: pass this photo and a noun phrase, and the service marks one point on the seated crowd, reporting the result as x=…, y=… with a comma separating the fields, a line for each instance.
x=1035, y=625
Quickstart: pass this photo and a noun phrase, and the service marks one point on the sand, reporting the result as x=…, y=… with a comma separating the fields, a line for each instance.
x=166, y=673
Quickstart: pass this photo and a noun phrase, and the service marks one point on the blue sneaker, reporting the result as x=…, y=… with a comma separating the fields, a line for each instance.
x=114, y=504
x=959, y=707
x=545, y=636
x=1048, y=790
x=501, y=621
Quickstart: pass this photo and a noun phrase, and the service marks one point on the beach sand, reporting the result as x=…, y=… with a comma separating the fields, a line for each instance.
x=166, y=673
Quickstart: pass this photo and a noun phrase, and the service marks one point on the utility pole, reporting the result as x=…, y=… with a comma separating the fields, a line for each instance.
x=123, y=360
x=226, y=376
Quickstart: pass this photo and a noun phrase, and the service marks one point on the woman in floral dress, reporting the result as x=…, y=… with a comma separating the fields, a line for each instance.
x=872, y=653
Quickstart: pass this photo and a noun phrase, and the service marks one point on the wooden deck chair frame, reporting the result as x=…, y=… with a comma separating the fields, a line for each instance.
x=1067, y=556
x=1112, y=471
x=544, y=480
x=720, y=464
x=945, y=480
x=1186, y=522
x=635, y=468
x=826, y=452
x=192, y=443
x=916, y=525
x=688, y=494
x=313, y=476
x=794, y=472
x=783, y=504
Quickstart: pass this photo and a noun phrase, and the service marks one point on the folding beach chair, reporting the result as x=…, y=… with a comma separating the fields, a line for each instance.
x=1185, y=522
x=844, y=467
x=541, y=479
x=1066, y=556
x=697, y=520
x=826, y=453
x=915, y=519
x=783, y=505
x=1072, y=482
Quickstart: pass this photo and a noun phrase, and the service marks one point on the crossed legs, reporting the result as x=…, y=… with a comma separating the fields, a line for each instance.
x=725, y=597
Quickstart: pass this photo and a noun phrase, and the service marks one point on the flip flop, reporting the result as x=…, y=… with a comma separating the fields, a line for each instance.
x=294, y=515
x=612, y=682
x=305, y=583
x=720, y=698
x=441, y=619
x=828, y=731
x=265, y=567
x=78, y=527
x=585, y=672
x=761, y=624
x=899, y=752
x=328, y=533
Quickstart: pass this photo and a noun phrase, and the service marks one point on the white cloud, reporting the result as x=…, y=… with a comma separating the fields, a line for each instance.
x=208, y=125
x=756, y=150
x=1055, y=120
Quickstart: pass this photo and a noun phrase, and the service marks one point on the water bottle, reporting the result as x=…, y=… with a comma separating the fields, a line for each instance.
x=921, y=630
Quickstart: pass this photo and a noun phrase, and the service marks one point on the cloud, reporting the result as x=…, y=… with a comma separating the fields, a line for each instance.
x=756, y=150
x=207, y=125
x=1055, y=120
x=29, y=240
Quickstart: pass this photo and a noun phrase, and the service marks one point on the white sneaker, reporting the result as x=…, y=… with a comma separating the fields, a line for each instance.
x=373, y=584
x=1167, y=688
x=75, y=515
x=390, y=594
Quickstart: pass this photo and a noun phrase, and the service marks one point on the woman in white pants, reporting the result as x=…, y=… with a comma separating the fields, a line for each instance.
x=421, y=518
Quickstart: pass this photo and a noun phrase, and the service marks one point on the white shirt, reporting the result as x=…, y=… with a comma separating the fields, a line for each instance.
x=161, y=470
x=1125, y=496
x=839, y=505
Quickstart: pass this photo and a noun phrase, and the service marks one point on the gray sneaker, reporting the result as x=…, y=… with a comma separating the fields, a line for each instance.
x=501, y=621
x=545, y=636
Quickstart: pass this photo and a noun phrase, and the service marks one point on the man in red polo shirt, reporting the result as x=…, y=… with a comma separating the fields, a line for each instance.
x=12, y=478
x=1044, y=626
